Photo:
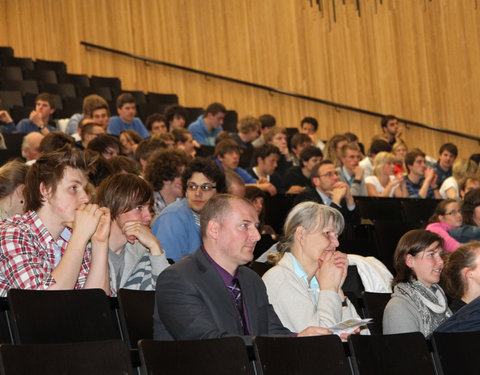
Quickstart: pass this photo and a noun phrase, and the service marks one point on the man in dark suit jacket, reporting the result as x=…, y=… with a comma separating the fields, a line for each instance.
x=194, y=299
x=329, y=190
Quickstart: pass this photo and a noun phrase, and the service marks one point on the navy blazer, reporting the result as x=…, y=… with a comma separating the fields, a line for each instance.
x=192, y=302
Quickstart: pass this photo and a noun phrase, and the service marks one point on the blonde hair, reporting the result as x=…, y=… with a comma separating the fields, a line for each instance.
x=381, y=159
x=463, y=168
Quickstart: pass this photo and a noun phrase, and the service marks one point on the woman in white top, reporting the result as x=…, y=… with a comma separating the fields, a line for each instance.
x=305, y=287
x=461, y=169
x=383, y=182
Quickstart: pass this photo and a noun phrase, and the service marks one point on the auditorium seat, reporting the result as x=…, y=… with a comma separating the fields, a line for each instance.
x=65, y=90
x=13, y=140
x=203, y=357
x=192, y=114
x=79, y=80
x=157, y=98
x=25, y=63
x=11, y=72
x=374, y=304
x=18, y=113
x=61, y=316
x=104, y=92
x=24, y=86
x=113, y=83
x=41, y=76
x=75, y=104
x=301, y=355
x=456, y=353
x=108, y=357
x=146, y=109
x=6, y=53
x=230, y=122
x=398, y=354
x=10, y=98
x=58, y=66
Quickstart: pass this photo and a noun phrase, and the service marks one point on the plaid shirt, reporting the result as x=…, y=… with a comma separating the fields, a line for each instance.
x=27, y=255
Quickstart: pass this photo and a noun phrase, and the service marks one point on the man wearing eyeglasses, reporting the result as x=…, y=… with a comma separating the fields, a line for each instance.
x=178, y=226
x=329, y=190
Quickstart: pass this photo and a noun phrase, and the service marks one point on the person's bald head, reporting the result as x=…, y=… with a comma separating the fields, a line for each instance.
x=31, y=145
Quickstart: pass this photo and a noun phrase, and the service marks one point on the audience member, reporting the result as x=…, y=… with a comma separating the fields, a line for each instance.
x=90, y=103
x=418, y=303
x=88, y=132
x=156, y=123
x=148, y=147
x=265, y=160
x=257, y=198
x=164, y=170
x=106, y=145
x=222, y=298
x=468, y=184
x=298, y=142
x=129, y=140
x=278, y=137
x=6, y=123
x=350, y=171
x=446, y=157
x=462, y=169
x=470, y=208
x=305, y=286
x=184, y=141
x=38, y=250
x=400, y=150
x=12, y=183
x=235, y=184
x=330, y=191
x=296, y=179
x=309, y=126
x=31, y=147
x=135, y=256
x=391, y=131
x=248, y=130
x=39, y=119
x=460, y=277
x=178, y=225
x=126, y=109
x=227, y=154
x=421, y=180
x=383, y=182
x=447, y=215
x=175, y=116
x=101, y=115
x=55, y=141
x=267, y=122
x=332, y=150
x=166, y=138
x=124, y=164
x=205, y=129
x=377, y=145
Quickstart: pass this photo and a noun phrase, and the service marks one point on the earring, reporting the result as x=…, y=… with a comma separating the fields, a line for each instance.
x=21, y=202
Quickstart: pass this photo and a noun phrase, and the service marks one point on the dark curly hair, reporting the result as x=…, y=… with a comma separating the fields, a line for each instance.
x=207, y=167
x=164, y=165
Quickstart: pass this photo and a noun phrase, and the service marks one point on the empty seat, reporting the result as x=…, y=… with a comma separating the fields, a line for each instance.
x=65, y=90
x=157, y=98
x=25, y=86
x=405, y=353
x=10, y=98
x=61, y=316
x=136, y=314
x=374, y=304
x=301, y=355
x=212, y=356
x=81, y=80
x=58, y=66
x=6, y=53
x=11, y=72
x=25, y=63
x=96, y=358
x=45, y=76
x=112, y=82
x=192, y=114
x=146, y=109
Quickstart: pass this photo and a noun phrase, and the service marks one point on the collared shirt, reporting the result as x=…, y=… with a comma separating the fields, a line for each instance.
x=27, y=255
x=442, y=175
x=227, y=280
x=301, y=273
x=349, y=179
x=413, y=189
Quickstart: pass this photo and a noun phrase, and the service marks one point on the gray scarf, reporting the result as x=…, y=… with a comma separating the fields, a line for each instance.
x=430, y=302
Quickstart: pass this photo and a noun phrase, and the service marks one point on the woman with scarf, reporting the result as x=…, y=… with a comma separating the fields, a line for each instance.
x=418, y=303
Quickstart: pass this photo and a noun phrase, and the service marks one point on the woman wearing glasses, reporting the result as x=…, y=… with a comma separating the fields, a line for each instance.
x=305, y=287
x=418, y=303
x=178, y=226
x=447, y=216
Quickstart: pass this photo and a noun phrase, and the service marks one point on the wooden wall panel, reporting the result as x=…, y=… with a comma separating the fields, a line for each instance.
x=417, y=59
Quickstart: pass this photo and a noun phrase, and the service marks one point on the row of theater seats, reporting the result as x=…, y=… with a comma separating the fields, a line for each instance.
x=81, y=332
x=21, y=79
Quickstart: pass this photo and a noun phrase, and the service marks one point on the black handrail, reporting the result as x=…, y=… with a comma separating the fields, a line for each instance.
x=274, y=90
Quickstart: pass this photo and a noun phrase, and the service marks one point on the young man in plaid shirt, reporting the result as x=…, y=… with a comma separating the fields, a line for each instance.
x=46, y=248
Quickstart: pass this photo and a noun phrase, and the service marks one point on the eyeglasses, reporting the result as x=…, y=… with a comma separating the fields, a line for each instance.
x=329, y=174
x=454, y=212
x=192, y=186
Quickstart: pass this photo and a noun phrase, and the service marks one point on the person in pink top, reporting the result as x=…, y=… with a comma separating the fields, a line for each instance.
x=447, y=215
